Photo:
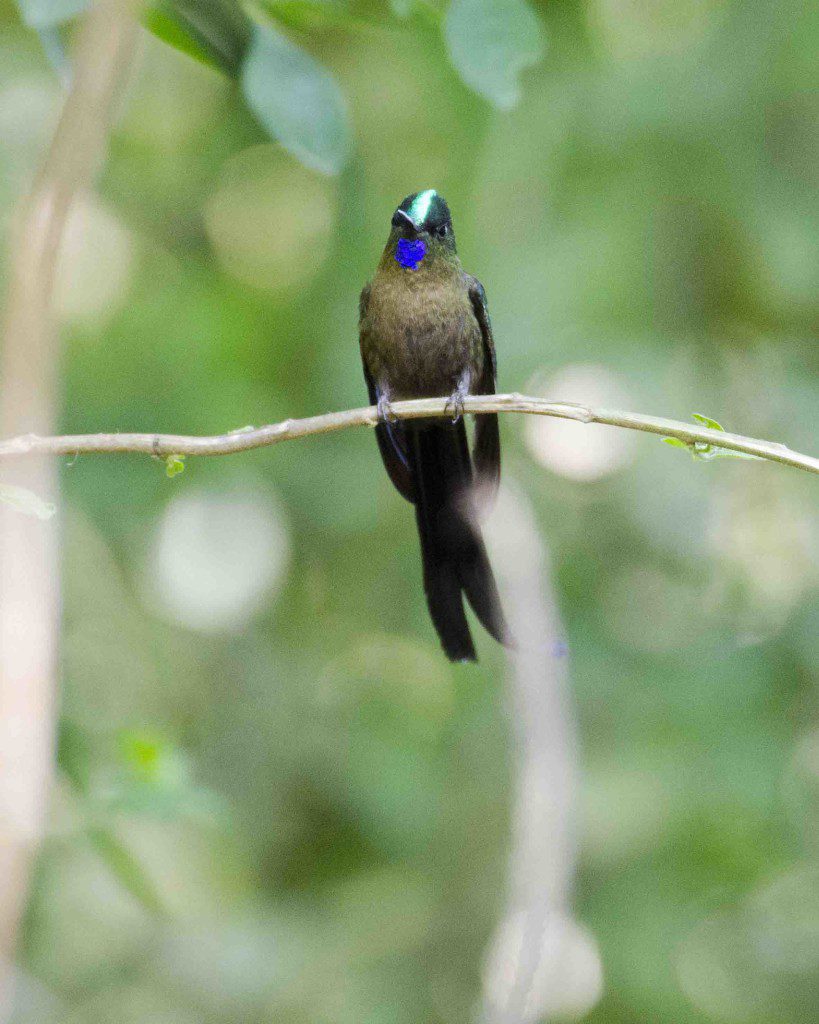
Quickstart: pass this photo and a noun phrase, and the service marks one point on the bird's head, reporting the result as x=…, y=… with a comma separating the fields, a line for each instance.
x=421, y=230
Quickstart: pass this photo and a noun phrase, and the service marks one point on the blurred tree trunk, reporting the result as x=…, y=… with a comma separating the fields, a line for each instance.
x=29, y=576
x=541, y=964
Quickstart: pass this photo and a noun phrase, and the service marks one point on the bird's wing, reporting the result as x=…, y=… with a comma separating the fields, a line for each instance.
x=487, y=438
x=363, y=302
x=391, y=437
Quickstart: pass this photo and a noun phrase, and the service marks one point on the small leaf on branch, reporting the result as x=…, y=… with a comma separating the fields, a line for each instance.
x=706, y=421
x=25, y=501
x=174, y=465
x=704, y=450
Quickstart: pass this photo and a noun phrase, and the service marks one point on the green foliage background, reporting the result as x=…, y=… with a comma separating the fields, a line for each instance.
x=300, y=813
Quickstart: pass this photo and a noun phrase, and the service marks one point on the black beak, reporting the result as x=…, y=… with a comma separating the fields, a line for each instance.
x=400, y=219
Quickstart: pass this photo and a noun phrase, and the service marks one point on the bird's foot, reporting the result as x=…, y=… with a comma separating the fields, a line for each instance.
x=385, y=413
x=455, y=404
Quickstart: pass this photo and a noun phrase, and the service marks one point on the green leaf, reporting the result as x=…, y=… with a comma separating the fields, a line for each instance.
x=424, y=11
x=40, y=14
x=711, y=451
x=316, y=14
x=154, y=778
x=174, y=465
x=143, y=754
x=169, y=31
x=51, y=40
x=214, y=32
x=704, y=450
x=25, y=501
x=707, y=421
x=297, y=101
x=126, y=869
x=428, y=13
x=490, y=42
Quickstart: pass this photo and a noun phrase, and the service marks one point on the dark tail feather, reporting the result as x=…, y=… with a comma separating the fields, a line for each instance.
x=479, y=585
x=453, y=553
x=434, y=459
x=474, y=570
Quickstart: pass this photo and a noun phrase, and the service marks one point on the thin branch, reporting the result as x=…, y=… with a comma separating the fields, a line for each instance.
x=162, y=445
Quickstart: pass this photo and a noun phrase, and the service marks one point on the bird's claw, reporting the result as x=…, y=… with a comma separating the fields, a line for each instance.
x=455, y=405
x=385, y=413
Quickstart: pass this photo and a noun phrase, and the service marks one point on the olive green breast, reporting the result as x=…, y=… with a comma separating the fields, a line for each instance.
x=419, y=332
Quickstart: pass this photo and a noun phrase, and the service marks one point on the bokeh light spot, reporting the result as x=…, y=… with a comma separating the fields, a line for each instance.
x=577, y=450
x=270, y=221
x=217, y=557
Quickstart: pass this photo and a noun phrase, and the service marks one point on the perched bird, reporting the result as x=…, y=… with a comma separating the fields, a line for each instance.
x=425, y=332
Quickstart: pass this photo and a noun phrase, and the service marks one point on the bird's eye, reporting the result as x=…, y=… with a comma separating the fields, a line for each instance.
x=442, y=231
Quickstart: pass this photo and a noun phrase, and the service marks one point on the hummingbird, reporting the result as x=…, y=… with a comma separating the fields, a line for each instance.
x=424, y=331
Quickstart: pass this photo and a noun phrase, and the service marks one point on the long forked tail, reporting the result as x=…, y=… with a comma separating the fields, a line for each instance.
x=452, y=550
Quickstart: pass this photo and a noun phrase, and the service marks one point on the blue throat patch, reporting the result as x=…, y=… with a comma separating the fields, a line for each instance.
x=410, y=254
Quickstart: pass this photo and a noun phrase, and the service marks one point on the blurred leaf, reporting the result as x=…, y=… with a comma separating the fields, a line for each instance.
x=143, y=755
x=40, y=14
x=424, y=10
x=174, y=465
x=125, y=868
x=297, y=101
x=213, y=32
x=152, y=777
x=166, y=28
x=490, y=42
x=428, y=13
x=317, y=14
x=52, y=43
x=25, y=501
